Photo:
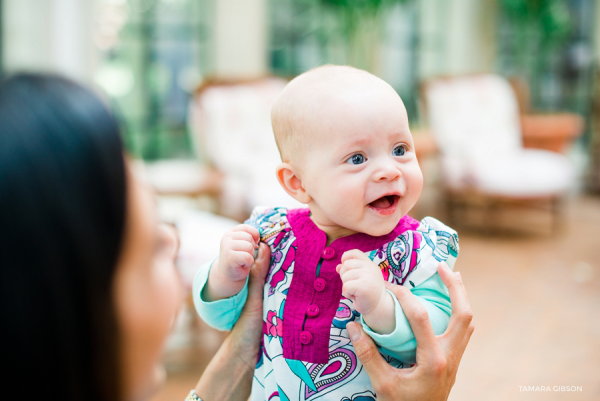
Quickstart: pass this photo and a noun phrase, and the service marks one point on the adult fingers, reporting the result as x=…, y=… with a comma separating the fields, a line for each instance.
x=454, y=350
x=247, y=331
x=428, y=347
x=462, y=315
x=465, y=341
x=259, y=271
x=263, y=260
x=376, y=367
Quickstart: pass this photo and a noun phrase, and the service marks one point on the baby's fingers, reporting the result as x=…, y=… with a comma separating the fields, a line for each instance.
x=352, y=288
x=242, y=236
x=242, y=246
x=351, y=264
x=350, y=275
x=241, y=259
x=354, y=254
x=248, y=229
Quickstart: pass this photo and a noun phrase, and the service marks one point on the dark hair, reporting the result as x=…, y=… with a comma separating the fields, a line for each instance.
x=62, y=217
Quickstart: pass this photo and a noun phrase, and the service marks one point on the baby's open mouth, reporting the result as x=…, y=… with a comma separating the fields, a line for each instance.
x=386, y=204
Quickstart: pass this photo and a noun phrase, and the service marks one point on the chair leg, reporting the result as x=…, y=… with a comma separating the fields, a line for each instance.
x=557, y=212
x=450, y=207
x=490, y=214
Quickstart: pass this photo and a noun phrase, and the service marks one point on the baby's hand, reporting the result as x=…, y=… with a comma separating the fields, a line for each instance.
x=238, y=247
x=363, y=281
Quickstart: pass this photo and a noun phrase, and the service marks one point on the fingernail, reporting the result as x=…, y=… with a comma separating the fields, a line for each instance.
x=459, y=276
x=445, y=266
x=353, y=331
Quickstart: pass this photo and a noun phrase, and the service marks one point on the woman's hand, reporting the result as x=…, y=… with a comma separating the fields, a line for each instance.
x=248, y=330
x=438, y=357
x=229, y=374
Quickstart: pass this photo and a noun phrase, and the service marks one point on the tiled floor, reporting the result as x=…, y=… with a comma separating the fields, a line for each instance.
x=536, y=300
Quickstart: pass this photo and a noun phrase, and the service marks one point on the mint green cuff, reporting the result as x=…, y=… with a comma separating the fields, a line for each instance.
x=221, y=314
x=401, y=343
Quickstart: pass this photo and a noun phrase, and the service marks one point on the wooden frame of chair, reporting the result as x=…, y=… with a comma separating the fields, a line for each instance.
x=214, y=187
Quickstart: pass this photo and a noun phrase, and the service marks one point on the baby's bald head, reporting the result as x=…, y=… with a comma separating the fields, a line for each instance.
x=315, y=100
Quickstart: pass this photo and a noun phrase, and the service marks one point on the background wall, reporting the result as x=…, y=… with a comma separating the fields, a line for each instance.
x=49, y=35
x=240, y=38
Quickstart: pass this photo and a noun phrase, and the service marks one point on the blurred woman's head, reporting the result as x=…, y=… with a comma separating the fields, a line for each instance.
x=75, y=229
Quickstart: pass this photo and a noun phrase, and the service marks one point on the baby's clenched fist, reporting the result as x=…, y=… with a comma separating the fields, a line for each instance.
x=363, y=281
x=238, y=247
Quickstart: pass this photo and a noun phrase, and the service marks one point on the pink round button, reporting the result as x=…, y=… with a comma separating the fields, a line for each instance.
x=319, y=284
x=305, y=337
x=328, y=253
x=312, y=310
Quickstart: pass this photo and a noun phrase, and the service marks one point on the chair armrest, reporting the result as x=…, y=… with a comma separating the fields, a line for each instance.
x=184, y=178
x=424, y=143
x=551, y=131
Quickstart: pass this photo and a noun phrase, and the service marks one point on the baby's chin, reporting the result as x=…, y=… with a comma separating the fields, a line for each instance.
x=381, y=229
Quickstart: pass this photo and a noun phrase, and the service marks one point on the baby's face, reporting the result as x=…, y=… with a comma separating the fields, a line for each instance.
x=359, y=165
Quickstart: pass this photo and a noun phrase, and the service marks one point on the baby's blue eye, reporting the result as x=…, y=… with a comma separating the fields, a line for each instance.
x=399, y=151
x=356, y=159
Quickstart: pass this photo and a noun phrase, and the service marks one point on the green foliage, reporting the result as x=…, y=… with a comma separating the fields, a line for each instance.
x=362, y=3
x=365, y=7
x=551, y=18
x=360, y=23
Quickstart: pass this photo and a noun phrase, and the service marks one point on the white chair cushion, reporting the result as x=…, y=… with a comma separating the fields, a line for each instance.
x=474, y=115
x=200, y=234
x=233, y=123
x=475, y=121
x=176, y=175
x=526, y=173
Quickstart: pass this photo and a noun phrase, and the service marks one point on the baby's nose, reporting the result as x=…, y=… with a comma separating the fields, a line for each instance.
x=387, y=172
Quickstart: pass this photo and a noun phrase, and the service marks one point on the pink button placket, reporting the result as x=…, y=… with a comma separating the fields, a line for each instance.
x=312, y=311
x=319, y=284
x=306, y=337
x=328, y=253
x=312, y=302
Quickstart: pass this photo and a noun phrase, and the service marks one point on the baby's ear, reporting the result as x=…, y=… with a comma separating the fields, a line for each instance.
x=287, y=176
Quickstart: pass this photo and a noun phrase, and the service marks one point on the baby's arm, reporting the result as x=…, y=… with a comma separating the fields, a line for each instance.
x=364, y=285
x=401, y=343
x=228, y=272
x=220, y=289
x=385, y=321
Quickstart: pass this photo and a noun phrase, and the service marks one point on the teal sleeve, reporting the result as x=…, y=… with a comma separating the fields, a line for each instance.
x=221, y=314
x=401, y=343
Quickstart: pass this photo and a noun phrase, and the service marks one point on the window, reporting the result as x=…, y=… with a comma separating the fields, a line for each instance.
x=558, y=71
x=401, y=44
x=153, y=55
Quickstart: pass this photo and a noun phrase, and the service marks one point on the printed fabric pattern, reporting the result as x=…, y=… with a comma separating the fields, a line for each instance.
x=408, y=259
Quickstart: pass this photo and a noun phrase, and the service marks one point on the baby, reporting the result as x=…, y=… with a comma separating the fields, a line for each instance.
x=348, y=154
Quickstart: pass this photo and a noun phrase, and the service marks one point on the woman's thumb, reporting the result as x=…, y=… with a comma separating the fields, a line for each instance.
x=366, y=351
x=261, y=265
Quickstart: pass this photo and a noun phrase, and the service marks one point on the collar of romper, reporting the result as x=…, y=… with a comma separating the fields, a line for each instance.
x=311, y=246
